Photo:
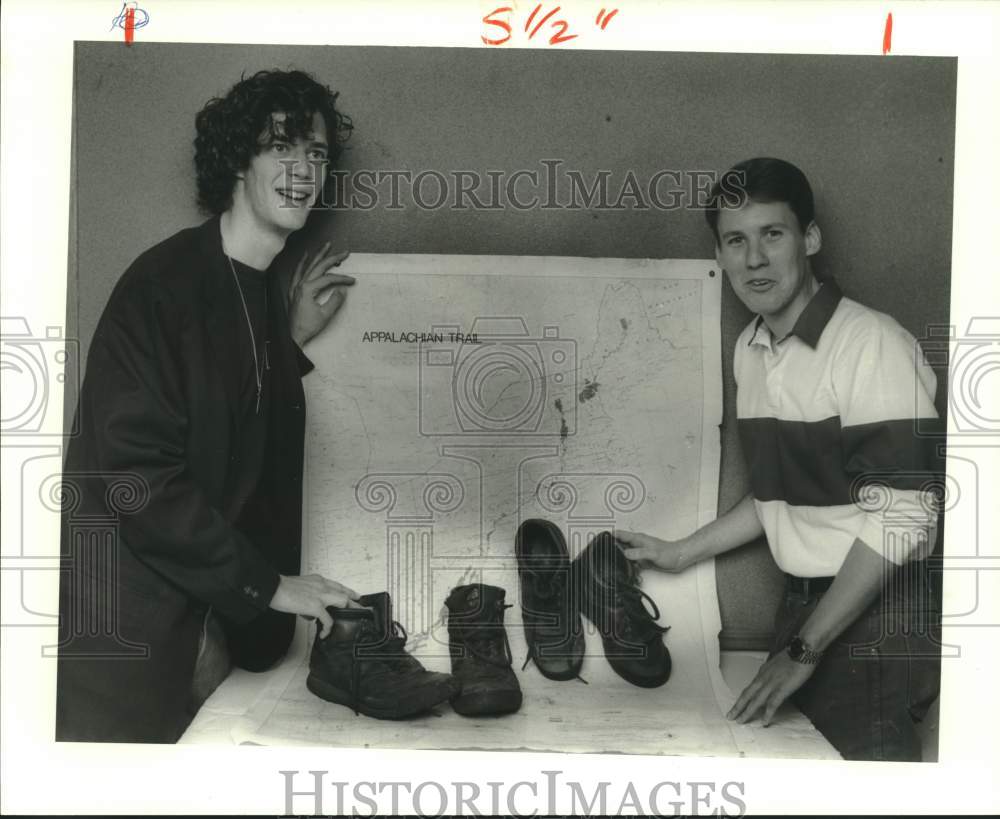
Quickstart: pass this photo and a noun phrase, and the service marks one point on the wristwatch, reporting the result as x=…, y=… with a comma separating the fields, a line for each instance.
x=799, y=651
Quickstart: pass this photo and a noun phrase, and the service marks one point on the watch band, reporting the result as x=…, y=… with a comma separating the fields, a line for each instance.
x=799, y=651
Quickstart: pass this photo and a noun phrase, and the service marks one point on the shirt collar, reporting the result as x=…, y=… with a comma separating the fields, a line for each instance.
x=811, y=321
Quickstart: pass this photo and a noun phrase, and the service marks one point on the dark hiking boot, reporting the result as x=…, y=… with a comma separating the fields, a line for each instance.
x=607, y=584
x=361, y=664
x=550, y=615
x=480, y=652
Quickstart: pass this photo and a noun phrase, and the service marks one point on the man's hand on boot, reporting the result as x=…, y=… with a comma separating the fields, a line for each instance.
x=666, y=555
x=310, y=595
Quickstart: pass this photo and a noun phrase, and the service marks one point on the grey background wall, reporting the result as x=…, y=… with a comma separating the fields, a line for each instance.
x=874, y=135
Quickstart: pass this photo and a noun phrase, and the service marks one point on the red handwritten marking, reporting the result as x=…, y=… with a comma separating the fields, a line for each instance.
x=559, y=27
x=488, y=19
x=542, y=22
x=887, y=36
x=607, y=19
x=559, y=36
x=129, y=26
x=527, y=24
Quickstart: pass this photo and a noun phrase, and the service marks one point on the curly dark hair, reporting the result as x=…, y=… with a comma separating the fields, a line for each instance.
x=229, y=128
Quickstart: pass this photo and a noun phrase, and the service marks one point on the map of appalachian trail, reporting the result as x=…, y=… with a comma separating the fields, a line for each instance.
x=456, y=396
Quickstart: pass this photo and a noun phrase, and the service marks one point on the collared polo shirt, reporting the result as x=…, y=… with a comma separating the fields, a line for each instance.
x=827, y=421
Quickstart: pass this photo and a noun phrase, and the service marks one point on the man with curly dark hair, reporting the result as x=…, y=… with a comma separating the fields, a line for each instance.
x=193, y=398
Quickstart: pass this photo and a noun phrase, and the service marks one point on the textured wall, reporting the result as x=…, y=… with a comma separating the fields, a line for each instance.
x=874, y=135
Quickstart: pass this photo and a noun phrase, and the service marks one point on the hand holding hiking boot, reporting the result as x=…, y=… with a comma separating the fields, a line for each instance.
x=362, y=664
x=607, y=586
x=646, y=550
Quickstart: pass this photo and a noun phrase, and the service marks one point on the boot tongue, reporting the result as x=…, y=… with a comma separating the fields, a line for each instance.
x=475, y=599
x=381, y=605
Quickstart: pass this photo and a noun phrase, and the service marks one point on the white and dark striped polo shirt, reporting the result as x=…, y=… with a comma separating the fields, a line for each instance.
x=826, y=416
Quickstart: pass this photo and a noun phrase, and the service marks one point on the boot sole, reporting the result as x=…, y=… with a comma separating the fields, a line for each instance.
x=339, y=696
x=484, y=705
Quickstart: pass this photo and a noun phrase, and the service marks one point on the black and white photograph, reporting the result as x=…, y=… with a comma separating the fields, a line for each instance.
x=581, y=408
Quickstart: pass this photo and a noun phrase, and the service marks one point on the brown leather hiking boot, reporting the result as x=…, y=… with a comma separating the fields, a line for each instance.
x=552, y=626
x=607, y=585
x=480, y=652
x=361, y=664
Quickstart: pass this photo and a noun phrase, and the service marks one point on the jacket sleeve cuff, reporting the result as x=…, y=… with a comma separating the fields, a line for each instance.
x=305, y=365
x=255, y=585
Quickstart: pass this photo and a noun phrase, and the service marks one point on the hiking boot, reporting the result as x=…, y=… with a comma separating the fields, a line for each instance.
x=607, y=585
x=552, y=626
x=480, y=653
x=361, y=664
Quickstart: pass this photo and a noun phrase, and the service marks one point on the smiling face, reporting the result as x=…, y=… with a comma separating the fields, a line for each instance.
x=284, y=179
x=766, y=254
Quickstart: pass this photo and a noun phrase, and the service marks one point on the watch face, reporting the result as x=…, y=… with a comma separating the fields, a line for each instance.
x=795, y=648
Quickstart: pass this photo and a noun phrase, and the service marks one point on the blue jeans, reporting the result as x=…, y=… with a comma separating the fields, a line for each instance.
x=879, y=677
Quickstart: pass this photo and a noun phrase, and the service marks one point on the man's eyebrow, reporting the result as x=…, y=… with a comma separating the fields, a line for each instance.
x=318, y=143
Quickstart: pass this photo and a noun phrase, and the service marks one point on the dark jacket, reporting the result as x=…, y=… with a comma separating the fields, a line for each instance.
x=151, y=497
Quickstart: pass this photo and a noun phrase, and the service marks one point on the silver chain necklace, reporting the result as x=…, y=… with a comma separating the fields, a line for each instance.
x=258, y=370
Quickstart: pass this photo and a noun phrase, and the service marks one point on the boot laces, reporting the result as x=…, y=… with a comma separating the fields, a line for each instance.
x=550, y=586
x=388, y=653
x=481, y=639
x=639, y=619
x=547, y=584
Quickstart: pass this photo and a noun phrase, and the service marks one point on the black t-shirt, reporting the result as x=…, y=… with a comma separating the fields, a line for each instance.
x=253, y=284
x=250, y=453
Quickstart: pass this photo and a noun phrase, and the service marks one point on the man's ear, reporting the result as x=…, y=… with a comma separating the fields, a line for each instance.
x=814, y=239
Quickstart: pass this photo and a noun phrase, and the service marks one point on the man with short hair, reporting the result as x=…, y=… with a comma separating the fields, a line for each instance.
x=827, y=396
x=193, y=401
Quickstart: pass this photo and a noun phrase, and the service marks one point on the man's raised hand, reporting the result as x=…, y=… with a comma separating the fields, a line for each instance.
x=310, y=281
